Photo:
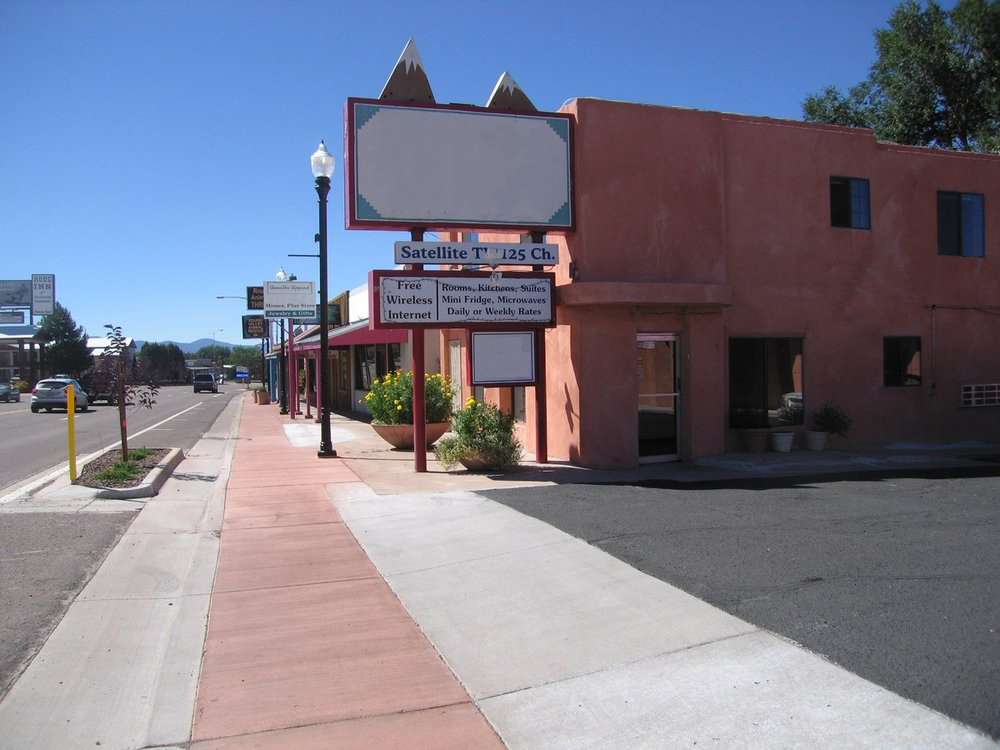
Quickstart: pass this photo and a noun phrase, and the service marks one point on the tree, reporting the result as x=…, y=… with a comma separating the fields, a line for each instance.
x=133, y=384
x=66, y=350
x=218, y=353
x=164, y=362
x=248, y=356
x=935, y=82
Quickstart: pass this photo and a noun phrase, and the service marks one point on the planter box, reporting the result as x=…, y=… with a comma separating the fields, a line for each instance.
x=401, y=435
x=815, y=440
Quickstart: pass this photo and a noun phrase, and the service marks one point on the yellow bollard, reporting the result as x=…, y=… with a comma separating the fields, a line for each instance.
x=71, y=414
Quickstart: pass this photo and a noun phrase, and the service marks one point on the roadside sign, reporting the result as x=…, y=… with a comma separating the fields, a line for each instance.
x=255, y=298
x=243, y=376
x=460, y=299
x=478, y=253
x=254, y=327
x=15, y=318
x=43, y=293
x=289, y=299
x=15, y=293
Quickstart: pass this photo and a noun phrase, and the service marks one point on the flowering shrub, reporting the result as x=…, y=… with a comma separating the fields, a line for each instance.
x=484, y=432
x=390, y=400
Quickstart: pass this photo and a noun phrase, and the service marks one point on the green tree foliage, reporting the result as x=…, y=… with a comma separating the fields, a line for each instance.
x=248, y=356
x=935, y=82
x=218, y=353
x=66, y=349
x=165, y=362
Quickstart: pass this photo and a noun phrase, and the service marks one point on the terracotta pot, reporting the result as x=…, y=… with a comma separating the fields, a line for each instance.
x=475, y=463
x=401, y=435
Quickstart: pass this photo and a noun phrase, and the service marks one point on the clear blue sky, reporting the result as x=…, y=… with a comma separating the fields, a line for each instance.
x=155, y=153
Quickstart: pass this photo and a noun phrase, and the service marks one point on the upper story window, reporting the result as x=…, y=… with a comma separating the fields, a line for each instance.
x=850, y=204
x=961, y=226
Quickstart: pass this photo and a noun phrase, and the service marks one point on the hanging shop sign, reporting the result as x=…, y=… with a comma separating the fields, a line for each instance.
x=456, y=299
x=477, y=253
x=254, y=327
x=255, y=298
x=289, y=299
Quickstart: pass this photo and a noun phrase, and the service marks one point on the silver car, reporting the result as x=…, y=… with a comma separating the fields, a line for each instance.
x=9, y=393
x=51, y=394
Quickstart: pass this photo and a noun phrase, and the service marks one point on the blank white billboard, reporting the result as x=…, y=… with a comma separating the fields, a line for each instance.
x=434, y=166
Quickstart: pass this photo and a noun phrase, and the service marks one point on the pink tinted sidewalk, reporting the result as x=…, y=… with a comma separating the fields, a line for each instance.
x=307, y=646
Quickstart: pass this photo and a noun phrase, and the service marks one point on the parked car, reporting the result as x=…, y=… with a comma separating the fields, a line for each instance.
x=50, y=394
x=205, y=381
x=9, y=393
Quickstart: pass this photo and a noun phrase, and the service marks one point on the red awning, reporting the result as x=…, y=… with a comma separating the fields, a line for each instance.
x=356, y=333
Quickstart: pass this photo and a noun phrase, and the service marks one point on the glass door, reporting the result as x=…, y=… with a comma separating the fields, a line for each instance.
x=659, y=396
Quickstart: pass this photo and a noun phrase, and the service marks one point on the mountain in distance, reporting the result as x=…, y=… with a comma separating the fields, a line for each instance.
x=192, y=347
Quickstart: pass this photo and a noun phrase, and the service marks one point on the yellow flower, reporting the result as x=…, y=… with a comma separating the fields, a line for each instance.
x=399, y=408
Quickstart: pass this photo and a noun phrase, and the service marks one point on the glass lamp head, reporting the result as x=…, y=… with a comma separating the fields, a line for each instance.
x=322, y=162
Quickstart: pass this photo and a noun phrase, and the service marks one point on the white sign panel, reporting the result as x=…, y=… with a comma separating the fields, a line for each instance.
x=289, y=299
x=43, y=293
x=477, y=253
x=503, y=358
x=426, y=300
x=460, y=166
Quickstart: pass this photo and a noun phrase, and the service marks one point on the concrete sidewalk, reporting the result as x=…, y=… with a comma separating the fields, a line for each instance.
x=270, y=599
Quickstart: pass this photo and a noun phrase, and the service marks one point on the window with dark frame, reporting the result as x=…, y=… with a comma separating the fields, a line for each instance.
x=901, y=361
x=961, y=224
x=765, y=376
x=373, y=361
x=850, y=203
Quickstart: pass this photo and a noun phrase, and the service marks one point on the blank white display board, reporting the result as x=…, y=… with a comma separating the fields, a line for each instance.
x=503, y=357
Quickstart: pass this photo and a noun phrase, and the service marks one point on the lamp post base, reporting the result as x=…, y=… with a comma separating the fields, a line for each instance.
x=326, y=452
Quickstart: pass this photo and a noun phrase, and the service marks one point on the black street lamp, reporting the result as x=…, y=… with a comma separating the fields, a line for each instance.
x=322, y=169
x=282, y=379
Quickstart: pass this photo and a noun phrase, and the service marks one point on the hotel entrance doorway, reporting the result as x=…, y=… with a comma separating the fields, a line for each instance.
x=659, y=396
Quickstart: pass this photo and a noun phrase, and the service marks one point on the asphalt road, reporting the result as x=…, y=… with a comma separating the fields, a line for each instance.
x=898, y=580
x=31, y=444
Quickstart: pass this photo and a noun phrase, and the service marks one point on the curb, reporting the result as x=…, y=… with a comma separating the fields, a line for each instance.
x=151, y=484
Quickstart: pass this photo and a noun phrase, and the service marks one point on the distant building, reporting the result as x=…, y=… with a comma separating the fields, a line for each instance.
x=22, y=353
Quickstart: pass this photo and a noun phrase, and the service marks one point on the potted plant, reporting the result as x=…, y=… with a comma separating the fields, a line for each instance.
x=261, y=396
x=390, y=403
x=483, y=440
x=752, y=424
x=826, y=419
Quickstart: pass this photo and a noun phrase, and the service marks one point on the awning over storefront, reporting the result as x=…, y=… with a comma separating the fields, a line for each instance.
x=355, y=333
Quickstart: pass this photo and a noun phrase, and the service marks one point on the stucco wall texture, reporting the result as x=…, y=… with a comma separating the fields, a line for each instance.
x=710, y=226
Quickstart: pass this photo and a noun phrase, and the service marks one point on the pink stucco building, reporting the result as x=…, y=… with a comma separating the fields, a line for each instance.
x=727, y=270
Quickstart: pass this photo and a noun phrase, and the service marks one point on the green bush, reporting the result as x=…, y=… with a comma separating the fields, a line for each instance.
x=390, y=400
x=829, y=417
x=481, y=431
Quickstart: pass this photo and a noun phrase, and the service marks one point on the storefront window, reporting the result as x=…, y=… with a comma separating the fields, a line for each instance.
x=765, y=382
x=373, y=361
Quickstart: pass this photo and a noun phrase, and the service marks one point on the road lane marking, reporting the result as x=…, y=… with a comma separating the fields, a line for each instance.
x=36, y=484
